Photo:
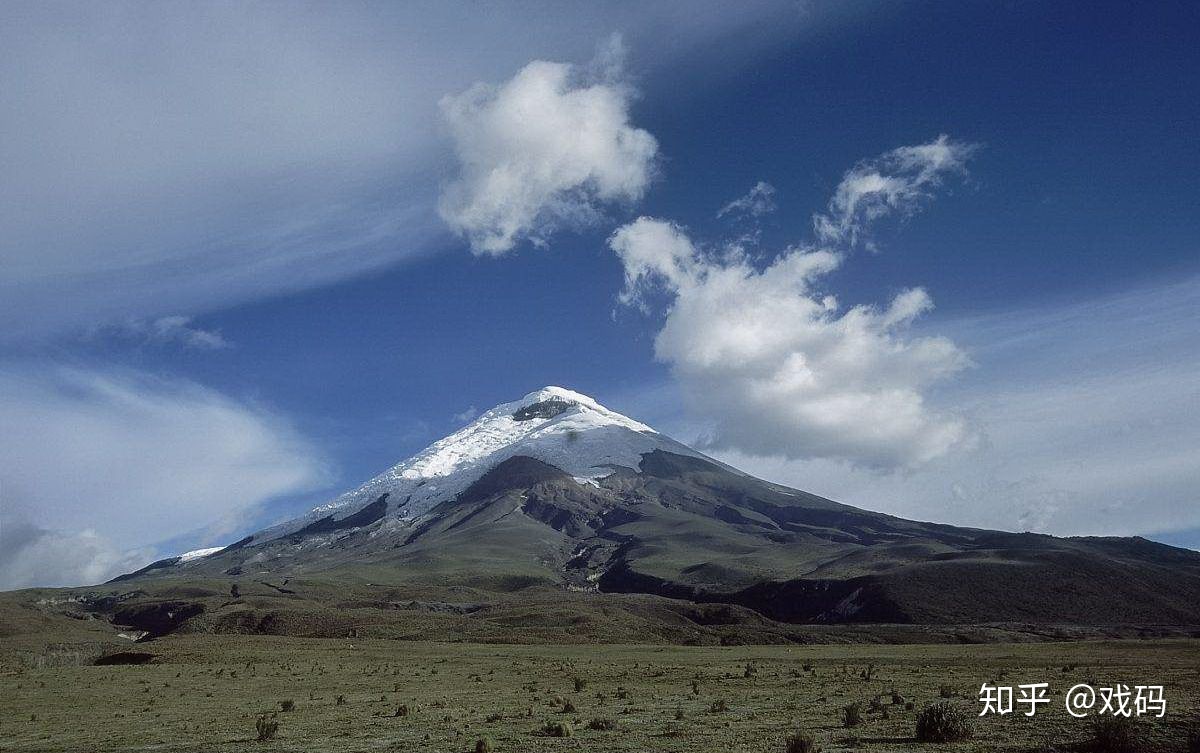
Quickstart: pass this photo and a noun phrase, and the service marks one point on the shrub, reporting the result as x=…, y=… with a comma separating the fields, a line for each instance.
x=695, y=687
x=558, y=729
x=943, y=723
x=493, y=718
x=402, y=710
x=602, y=725
x=266, y=727
x=897, y=699
x=802, y=742
x=1115, y=734
x=1194, y=741
x=852, y=715
x=568, y=708
x=484, y=745
x=946, y=691
x=718, y=706
x=287, y=705
x=580, y=684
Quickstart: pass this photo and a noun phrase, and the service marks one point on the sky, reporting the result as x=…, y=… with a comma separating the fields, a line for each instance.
x=938, y=260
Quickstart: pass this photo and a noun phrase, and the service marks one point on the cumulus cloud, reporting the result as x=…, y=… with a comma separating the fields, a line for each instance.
x=1109, y=449
x=898, y=182
x=758, y=201
x=544, y=149
x=115, y=462
x=778, y=366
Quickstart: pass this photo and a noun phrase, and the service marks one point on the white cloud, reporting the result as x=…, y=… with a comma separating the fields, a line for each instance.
x=122, y=460
x=166, y=330
x=164, y=159
x=758, y=201
x=898, y=182
x=467, y=415
x=776, y=365
x=778, y=368
x=542, y=150
x=1089, y=422
x=31, y=556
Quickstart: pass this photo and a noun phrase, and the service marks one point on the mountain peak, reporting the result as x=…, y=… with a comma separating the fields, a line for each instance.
x=558, y=426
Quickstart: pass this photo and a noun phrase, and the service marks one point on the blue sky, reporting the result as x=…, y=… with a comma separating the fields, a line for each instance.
x=233, y=283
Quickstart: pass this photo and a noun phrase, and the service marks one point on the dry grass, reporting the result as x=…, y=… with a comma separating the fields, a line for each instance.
x=207, y=693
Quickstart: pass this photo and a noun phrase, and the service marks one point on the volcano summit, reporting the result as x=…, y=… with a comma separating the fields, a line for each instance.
x=555, y=491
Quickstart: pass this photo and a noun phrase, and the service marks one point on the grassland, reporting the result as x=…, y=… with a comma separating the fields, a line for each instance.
x=207, y=692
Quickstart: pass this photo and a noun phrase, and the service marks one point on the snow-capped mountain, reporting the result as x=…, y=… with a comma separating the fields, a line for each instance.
x=557, y=426
x=556, y=491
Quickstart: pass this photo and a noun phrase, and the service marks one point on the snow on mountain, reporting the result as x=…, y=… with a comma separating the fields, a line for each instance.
x=566, y=429
x=196, y=554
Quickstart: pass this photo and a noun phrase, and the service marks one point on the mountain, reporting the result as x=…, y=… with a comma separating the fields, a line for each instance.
x=556, y=494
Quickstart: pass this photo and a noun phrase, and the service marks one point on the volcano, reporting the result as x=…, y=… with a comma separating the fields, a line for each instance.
x=556, y=492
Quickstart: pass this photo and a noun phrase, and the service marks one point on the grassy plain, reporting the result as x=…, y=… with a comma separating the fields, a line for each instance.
x=207, y=692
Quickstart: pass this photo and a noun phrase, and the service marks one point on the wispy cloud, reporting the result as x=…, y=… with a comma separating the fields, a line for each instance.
x=165, y=159
x=759, y=201
x=167, y=330
x=897, y=182
x=121, y=460
x=544, y=149
x=467, y=415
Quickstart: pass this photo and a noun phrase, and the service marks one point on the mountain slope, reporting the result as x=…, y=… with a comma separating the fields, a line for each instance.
x=555, y=490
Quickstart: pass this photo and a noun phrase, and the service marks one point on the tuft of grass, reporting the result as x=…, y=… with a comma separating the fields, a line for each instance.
x=580, y=684
x=718, y=706
x=851, y=715
x=267, y=727
x=1115, y=734
x=485, y=744
x=568, y=707
x=943, y=723
x=802, y=742
x=287, y=705
x=402, y=710
x=946, y=691
x=558, y=729
x=602, y=725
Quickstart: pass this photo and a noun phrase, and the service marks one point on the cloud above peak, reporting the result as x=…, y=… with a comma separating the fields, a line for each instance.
x=773, y=362
x=545, y=149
